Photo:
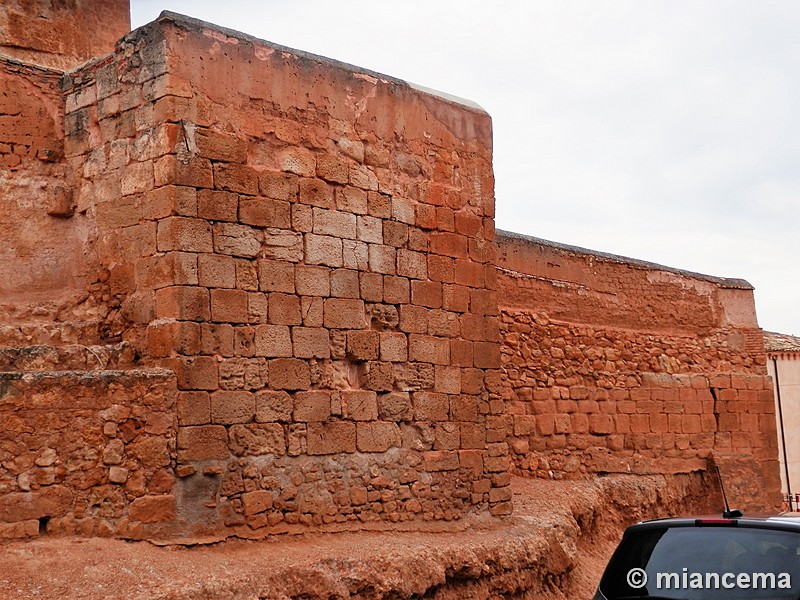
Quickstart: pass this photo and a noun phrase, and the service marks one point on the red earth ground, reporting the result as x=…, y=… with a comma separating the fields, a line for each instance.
x=555, y=546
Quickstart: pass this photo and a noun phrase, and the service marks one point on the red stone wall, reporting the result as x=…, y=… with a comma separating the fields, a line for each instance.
x=89, y=454
x=113, y=137
x=61, y=33
x=308, y=248
x=613, y=365
x=44, y=264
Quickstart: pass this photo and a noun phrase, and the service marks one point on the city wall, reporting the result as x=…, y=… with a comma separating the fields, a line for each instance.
x=613, y=365
x=308, y=248
x=248, y=290
x=61, y=34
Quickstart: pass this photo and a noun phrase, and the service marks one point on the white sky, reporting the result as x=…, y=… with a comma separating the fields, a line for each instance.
x=665, y=130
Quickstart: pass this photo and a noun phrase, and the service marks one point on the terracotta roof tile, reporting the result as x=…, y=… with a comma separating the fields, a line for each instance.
x=780, y=342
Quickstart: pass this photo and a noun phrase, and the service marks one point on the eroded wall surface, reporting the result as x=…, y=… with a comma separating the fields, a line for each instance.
x=61, y=33
x=249, y=291
x=613, y=365
x=308, y=248
x=86, y=453
x=46, y=261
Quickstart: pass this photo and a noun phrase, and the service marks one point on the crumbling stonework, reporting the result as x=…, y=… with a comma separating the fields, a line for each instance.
x=554, y=547
x=248, y=291
x=616, y=366
x=308, y=249
x=61, y=33
x=88, y=451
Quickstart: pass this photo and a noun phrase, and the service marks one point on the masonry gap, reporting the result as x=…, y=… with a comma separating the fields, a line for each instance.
x=716, y=410
x=43, y=521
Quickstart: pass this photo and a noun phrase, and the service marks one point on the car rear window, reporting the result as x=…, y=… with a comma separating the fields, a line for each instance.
x=671, y=558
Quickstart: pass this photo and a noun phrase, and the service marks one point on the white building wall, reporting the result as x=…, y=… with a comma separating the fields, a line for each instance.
x=787, y=406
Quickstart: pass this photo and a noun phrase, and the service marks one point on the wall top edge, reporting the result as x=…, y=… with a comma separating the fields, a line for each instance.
x=723, y=282
x=790, y=356
x=198, y=26
x=9, y=62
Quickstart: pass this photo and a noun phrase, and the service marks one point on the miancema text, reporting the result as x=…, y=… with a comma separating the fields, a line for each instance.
x=715, y=581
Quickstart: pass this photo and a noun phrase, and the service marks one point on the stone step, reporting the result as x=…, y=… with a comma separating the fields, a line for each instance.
x=50, y=333
x=72, y=357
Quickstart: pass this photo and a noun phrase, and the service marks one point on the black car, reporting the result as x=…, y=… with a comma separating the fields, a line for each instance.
x=706, y=558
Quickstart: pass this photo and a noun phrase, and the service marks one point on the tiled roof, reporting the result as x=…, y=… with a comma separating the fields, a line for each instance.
x=780, y=342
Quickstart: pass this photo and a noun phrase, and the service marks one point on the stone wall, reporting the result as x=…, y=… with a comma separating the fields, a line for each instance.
x=248, y=290
x=61, y=33
x=308, y=248
x=87, y=452
x=614, y=365
x=43, y=274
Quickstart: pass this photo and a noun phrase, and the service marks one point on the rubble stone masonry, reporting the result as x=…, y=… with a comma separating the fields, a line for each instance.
x=246, y=290
x=613, y=365
x=308, y=248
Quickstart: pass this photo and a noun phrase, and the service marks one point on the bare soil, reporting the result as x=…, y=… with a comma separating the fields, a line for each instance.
x=555, y=546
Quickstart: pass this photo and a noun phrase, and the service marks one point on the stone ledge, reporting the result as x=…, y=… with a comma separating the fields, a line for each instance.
x=71, y=357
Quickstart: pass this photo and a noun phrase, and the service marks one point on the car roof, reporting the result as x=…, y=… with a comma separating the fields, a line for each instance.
x=786, y=522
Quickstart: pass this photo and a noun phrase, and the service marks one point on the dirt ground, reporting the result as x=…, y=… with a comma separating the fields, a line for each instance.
x=553, y=547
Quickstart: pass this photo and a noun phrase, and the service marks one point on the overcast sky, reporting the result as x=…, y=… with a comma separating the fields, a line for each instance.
x=667, y=131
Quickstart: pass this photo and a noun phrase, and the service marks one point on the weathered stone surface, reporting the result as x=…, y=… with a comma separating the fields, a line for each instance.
x=592, y=386
x=257, y=439
x=54, y=37
x=512, y=557
x=323, y=285
x=51, y=501
x=153, y=509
